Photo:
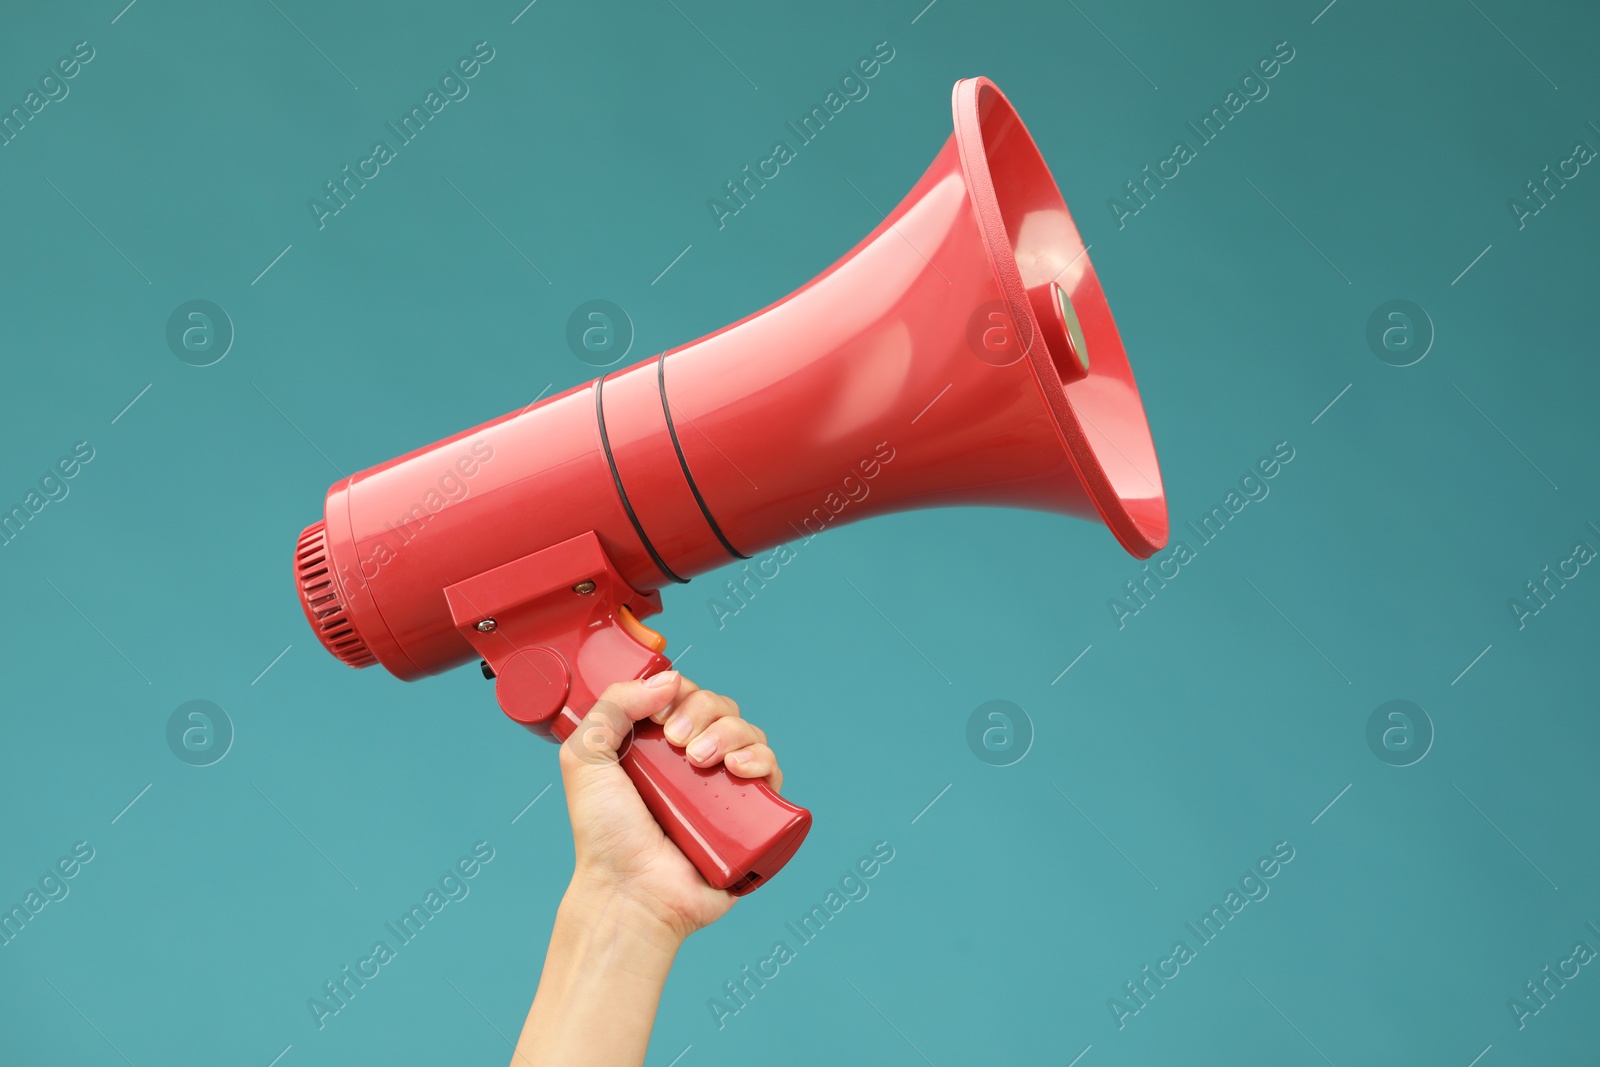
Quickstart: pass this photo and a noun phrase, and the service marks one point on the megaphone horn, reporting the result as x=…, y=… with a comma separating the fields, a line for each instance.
x=963, y=353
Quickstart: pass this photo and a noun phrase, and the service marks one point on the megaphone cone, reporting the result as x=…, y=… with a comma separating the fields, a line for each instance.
x=963, y=353
x=968, y=331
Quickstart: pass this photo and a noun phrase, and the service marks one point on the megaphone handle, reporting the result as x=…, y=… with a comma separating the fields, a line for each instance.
x=559, y=625
x=736, y=831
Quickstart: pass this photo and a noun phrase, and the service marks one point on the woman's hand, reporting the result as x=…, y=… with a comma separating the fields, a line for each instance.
x=634, y=897
x=620, y=849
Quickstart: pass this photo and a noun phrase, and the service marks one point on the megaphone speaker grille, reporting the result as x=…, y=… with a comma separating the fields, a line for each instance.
x=321, y=600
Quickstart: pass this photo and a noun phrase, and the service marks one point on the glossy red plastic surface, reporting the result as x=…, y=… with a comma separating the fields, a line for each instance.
x=930, y=366
x=896, y=343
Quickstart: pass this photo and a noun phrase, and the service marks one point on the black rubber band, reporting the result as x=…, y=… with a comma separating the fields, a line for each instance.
x=661, y=381
x=622, y=494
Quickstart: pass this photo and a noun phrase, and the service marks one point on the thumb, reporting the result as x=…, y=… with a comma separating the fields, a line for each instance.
x=593, y=744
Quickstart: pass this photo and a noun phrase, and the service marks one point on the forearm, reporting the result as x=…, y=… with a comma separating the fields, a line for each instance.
x=602, y=982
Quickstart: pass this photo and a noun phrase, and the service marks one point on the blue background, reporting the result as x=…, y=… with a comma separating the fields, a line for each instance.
x=1222, y=719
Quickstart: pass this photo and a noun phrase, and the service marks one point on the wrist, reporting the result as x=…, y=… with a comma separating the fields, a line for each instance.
x=604, y=970
x=601, y=905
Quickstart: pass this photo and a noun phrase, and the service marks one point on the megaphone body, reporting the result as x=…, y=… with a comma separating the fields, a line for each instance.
x=963, y=353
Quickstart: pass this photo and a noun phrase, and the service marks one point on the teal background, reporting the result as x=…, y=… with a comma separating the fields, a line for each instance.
x=1219, y=721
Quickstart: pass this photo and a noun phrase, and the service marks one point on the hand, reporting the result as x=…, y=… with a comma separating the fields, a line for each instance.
x=634, y=896
x=620, y=850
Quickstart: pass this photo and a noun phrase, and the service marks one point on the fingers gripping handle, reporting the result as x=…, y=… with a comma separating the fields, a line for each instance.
x=736, y=831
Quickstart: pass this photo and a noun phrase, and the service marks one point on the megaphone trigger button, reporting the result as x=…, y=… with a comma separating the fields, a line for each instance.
x=640, y=632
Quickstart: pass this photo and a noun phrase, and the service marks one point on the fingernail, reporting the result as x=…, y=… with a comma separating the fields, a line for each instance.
x=740, y=757
x=656, y=681
x=704, y=748
x=677, y=729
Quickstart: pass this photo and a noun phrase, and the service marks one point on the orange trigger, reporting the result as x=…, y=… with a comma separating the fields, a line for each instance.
x=640, y=632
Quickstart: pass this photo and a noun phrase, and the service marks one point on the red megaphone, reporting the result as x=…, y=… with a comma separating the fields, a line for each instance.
x=962, y=354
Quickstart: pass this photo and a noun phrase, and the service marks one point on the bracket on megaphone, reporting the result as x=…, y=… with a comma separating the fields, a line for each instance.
x=556, y=627
x=559, y=625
